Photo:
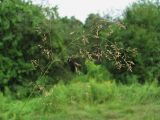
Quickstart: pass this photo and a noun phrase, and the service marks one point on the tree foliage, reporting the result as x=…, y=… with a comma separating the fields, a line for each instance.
x=142, y=22
x=38, y=46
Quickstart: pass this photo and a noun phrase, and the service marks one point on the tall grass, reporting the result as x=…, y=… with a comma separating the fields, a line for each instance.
x=83, y=99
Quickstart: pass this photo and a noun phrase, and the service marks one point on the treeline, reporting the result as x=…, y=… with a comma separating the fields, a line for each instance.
x=37, y=46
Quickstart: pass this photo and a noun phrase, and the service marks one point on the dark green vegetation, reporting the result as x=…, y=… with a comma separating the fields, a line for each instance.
x=59, y=68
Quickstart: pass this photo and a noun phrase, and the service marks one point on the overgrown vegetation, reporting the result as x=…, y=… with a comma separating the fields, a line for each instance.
x=38, y=46
x=89, y=101
x=54, y=67
x=142, y=31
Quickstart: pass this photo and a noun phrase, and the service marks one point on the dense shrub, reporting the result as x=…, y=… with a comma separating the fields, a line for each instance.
x=28, y=46
x=39, y=47
x=35, y=45
x=141, y=21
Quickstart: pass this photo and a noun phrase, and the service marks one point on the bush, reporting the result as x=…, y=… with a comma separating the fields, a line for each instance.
x=27, y=48
x=141, y=31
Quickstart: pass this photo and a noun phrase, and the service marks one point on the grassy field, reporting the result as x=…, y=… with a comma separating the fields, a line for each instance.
x=87, y=101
